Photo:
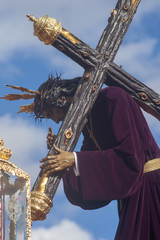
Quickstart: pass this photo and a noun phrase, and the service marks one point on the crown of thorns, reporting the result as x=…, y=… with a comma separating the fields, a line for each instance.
x=49, y=93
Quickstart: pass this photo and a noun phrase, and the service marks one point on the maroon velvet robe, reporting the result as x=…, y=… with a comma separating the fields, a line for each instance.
x=116, y=172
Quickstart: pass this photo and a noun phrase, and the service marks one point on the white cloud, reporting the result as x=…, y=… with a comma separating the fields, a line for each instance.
x=26, y=141
x=9, y=70
x=65, y=230
x=154, y=83
x=17, y=31
x=70, y=68
x=76, y=16
x=137, y=58
x=149, y=6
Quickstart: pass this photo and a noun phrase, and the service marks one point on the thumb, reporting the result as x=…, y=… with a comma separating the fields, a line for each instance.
x=50, y=129
x=57, y=149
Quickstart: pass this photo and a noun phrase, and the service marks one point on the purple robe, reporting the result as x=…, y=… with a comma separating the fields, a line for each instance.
x=116, y=172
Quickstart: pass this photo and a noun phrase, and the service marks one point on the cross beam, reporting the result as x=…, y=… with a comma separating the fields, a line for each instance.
x=99, y=68
x=107, y=47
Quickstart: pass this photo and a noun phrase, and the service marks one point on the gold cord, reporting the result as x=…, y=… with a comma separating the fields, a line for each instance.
x=91, y=133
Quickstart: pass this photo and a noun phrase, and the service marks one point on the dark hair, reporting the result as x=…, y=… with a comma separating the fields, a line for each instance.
x=51, y=92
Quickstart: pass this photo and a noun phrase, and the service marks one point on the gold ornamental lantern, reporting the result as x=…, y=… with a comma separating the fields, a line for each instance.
x=15, y=212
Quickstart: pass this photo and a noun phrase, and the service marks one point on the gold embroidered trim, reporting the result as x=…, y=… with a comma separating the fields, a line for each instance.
x=152, y=165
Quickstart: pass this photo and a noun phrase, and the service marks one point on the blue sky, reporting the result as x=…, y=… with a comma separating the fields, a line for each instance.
x=27, y=62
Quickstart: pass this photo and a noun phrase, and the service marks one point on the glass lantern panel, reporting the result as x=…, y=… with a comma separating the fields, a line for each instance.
x=13, y=207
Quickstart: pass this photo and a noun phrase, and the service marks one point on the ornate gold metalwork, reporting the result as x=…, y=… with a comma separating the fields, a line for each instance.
x=143, y=96
x=68, y=133
x=152, y=165
x=26, y=108
x=125, y=7
x=12, y=169
x=13, y=97
x=43, y=183
x=94, y=87
x=46, y=29
x=157, y=102
x=40, y=205
x=6, y=166
x=5, y=153
x=31, y=94
x=68, y=35
x=106, y=55
x=22, y=89
x=132, y=7
x=134, y=2
x=1, y=142
x=40, y=202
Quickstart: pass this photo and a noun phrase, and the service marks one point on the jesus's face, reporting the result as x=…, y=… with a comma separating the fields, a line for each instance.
x=55, y=113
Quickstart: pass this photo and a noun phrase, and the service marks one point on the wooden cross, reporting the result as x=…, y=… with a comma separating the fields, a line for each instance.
x=99, y=69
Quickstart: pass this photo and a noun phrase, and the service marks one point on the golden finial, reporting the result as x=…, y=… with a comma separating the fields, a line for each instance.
x=46, y=29
x=1, y=142
x=5, y=153
x=31, y=18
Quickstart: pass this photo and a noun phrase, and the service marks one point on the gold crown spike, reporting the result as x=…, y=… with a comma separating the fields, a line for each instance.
x=1, y=142
x=5, y=153
x=13, y=97
x=26, y=108
x=46, y=29
x=22, y=89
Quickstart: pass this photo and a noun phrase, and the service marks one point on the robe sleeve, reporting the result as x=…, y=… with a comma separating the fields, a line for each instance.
x=113, y=173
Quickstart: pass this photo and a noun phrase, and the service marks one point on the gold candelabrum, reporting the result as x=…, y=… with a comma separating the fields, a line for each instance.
x=15, y=199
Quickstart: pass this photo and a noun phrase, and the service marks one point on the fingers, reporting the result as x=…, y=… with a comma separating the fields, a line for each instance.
x=47, y=158
x=49, y=163
x=50, y=138
x=57, y=162
x=53, y=165
x=49, y=130
x=49, y=166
